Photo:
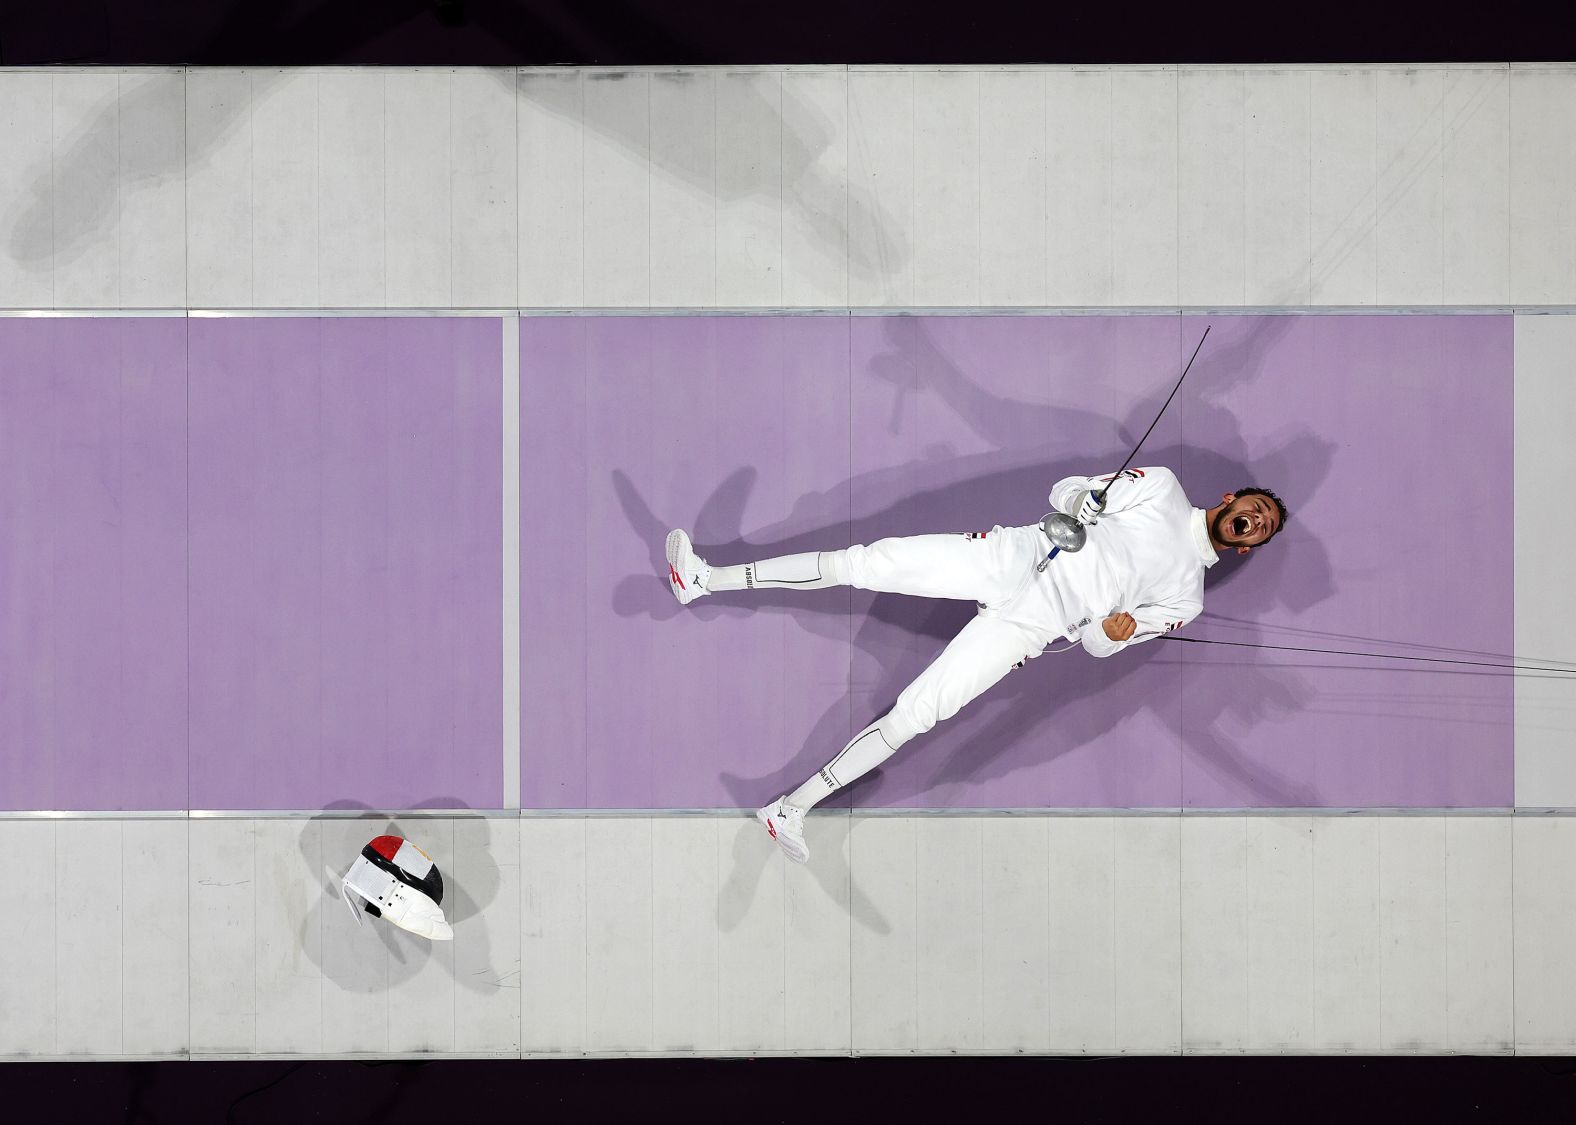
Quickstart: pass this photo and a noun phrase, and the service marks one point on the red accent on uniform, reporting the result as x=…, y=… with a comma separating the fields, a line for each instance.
x=769, y=829
x=676, y=577
x=386, y=846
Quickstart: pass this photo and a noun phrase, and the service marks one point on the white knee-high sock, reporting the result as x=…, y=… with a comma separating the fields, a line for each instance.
x=864, y=752
x=814, y=570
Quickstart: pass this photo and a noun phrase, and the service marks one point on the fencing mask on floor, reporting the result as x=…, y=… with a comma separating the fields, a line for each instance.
x=398, y=881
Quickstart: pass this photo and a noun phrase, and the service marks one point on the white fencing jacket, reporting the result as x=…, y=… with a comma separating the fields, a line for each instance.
x=1145, y=555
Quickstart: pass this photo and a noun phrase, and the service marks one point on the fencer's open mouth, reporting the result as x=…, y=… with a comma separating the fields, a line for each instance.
x=1241, y=525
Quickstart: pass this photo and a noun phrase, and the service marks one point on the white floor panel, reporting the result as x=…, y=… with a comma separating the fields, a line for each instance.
x=949, y=969
x=551, y=187
x=884, y=872
x=1542, y=167
x=1211, y=187
x=219, y=185
x=88, y=914
x=881, y=159
x=1280, y=934
x=1015, y=921
x=684, y=188
x=482, y=901
x=287, y=152
x=822, y=909
x=749, y=230
x=27, y=253
x=905, y=934
x=1412, y=932
x=363, y=962
x=1012, y=216
x=617, y=160
x=1480, y=920
x=1078, y=173
x=294, y=890
x=553, y=940
x=749, y=914
x=686, y=968
x=1545, y=599
x=152, y=227
x=27, y=987
x=1278, y=181
x=1143, y=188
x=222, y=988
x=1343, y=198
x=351, y=189
x=1148, y=927
x=1214, y=967
x=1408, y=151
x=619, y=937
x=795, y=187
x=85, y=117
x=947, y=187
x=1082, y=935
x=1475, y=188
x=818, y=206
x=154, y=951
x=419, y=161
x=1347, y=958
x=483, y=209
x=1545, y=914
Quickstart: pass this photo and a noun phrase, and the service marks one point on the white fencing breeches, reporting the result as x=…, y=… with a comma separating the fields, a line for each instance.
x=989, y=568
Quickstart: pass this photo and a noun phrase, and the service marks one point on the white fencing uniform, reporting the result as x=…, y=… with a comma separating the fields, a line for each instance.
x=1145, y=556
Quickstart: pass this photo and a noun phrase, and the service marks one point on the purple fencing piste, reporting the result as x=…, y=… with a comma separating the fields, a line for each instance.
x=769, y=435
x=254, y=563
x=346, y=587
x=275, y=583
x=92, y=564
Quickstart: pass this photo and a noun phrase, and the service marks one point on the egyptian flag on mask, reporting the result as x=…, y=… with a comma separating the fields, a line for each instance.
x=398, y=881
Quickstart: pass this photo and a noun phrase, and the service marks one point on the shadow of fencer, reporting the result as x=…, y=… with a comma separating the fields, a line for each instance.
x=897, y=637
x=51, y=228
x=56, y=227
x=342, y=947
x=849, y=227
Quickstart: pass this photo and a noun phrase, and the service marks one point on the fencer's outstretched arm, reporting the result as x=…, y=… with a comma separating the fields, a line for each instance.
x=1150, y=621
x=1135, y=487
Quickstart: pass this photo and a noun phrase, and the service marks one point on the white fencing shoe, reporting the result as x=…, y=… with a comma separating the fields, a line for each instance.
x=687, y=571
x=785, y=825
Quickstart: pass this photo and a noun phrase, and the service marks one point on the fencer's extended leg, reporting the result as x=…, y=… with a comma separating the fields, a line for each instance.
x=984, y=651
x=691, y=577
x=971, y=567
x=813, y=570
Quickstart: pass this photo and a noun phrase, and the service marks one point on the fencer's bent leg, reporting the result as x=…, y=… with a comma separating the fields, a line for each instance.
x=984, y=651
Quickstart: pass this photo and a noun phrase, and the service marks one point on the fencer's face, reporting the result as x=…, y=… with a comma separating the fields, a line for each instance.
x=1244, y=522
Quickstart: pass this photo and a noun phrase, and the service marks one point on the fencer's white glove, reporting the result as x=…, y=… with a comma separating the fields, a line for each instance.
x=1090, y=505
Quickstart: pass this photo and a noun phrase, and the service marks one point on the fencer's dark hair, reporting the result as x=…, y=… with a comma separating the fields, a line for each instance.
x=1280, y=506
